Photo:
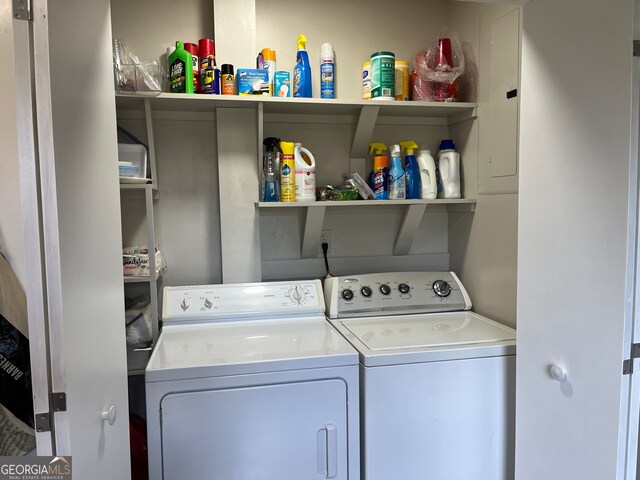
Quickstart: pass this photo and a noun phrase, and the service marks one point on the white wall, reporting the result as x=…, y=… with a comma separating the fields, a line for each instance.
x=11, y=243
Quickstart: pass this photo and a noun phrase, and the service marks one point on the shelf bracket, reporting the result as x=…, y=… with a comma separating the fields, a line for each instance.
x=462, y=117
x=361, y=138
x=409, y=228
x=312, y=230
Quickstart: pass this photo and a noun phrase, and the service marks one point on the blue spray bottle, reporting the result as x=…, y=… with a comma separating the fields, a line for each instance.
x=302, y=71
x=271, y=169
x=411, y=170
x=397, y=185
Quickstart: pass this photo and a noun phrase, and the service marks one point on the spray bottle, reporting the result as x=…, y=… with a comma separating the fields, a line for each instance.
x=271, y=168
x=411, y=169
x=302, y=71
x=428, y=183
x=379, y=180
x=287, y=173
x=397, y=185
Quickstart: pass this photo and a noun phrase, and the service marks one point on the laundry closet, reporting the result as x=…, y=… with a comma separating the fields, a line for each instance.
x=543, y=237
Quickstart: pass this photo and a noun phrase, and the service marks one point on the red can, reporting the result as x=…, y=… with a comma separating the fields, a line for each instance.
x=205, y=48
x=192, y=48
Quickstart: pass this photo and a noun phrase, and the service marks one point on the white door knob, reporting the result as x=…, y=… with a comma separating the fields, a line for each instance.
x=109, y=415
x=557, y=372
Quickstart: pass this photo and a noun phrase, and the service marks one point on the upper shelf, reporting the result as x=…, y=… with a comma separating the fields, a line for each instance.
x=173, y=102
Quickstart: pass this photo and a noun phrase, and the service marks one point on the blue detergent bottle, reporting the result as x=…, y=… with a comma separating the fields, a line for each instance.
x=411, y=170
x=397, y=183
x=302, y=71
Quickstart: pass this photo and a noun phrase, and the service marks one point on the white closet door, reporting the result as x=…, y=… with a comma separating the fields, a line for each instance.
x=77, y=147
x=575, y=247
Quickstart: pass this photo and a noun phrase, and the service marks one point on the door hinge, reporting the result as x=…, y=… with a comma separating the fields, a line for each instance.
x=627, y=365
x=57, y=403
x=22, y=9
x=636, y=48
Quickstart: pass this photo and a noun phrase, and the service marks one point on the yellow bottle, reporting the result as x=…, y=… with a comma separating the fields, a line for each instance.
x=287, y=173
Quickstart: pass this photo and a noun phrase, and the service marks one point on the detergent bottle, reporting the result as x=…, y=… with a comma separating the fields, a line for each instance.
x=380, y=176
x=305, y=173
x=449, y=169
x=271, y=169
x=397, y=182
x=287, y=173
x=180, y=70
x=411, y=170
x=302, y=71
x=428, y=183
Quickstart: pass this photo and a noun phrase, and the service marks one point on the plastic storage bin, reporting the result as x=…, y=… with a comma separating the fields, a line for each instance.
x=132, y=159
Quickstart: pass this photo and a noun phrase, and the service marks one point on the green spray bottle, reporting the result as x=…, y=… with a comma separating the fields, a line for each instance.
x=180, y=70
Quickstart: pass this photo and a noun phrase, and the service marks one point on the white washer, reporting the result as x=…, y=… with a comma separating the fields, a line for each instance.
x=437, y=389
x=251, y=381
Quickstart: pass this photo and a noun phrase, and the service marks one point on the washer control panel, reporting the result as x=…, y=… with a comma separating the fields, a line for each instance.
x=394, y=293
x=202, y=303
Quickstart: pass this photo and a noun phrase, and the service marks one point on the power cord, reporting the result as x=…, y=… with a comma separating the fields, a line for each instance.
x=325, y=249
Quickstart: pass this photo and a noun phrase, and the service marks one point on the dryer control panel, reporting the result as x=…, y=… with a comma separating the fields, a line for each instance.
x=394, y=293
x=246, y=301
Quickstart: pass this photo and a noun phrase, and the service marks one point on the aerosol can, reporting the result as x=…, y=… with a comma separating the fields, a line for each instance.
x=271, y=169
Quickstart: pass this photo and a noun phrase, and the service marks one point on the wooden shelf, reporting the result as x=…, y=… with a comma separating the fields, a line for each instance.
x=178, y=102
x=413, y=212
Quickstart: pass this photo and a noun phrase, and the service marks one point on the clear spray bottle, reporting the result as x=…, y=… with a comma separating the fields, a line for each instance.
x=271, y=169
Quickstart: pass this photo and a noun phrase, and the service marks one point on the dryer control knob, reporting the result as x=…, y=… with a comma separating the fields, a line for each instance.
x=366, y=291
x=347, y=294
x=208, y=303
x=185, y=303
x=441, y=288
x=385, y=289
x=404, y=288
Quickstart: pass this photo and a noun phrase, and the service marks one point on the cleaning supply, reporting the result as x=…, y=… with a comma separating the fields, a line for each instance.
x=402, y=80
x=269, y=64
x=210, y=78
x=428, y=182
x=192, y=48
x=282, y=84
x=287, y=172
x=327, y=71
x=180, y=71
x=411, y=170
x=366, y=81
x=449, y=169
x=227, y=80
x=397, y=183
x=253, y=81
x=205, y=49
x=271, y=169
x=380, y=175
x=302, y=71
x=305, y=171
x=383, y=76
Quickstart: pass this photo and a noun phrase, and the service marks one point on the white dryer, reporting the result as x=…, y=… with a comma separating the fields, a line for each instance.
x=437, y=381
x=249, y=381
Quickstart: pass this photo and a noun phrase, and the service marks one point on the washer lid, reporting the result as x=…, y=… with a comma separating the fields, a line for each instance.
x=244, y=347
x=419, y=331
x=402, y=339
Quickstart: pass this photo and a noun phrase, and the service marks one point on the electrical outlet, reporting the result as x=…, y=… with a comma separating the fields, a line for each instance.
x=325, y=237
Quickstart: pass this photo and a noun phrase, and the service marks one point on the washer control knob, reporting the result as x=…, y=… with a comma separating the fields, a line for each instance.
x=297, y=295
x=208, y=303
x=185, y=303
x=404, y=288
x=385, y=289
x=441, y=288
x=347, y=294
x=366, y=292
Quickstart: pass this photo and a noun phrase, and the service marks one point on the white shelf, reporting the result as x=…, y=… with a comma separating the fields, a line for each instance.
x=137, y=360
x=179, y=102
x=140, y=279
x=413, y=212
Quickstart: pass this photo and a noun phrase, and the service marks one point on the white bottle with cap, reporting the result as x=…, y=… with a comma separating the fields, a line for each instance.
x=449, y=168
x=327, y=71
x=305, y=174
x=428, y=182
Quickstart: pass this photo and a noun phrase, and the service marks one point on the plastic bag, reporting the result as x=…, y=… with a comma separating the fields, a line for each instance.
x=138, y=322
x=437, y=68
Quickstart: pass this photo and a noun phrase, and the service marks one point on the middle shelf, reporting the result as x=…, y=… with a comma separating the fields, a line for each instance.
x=413, y=212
